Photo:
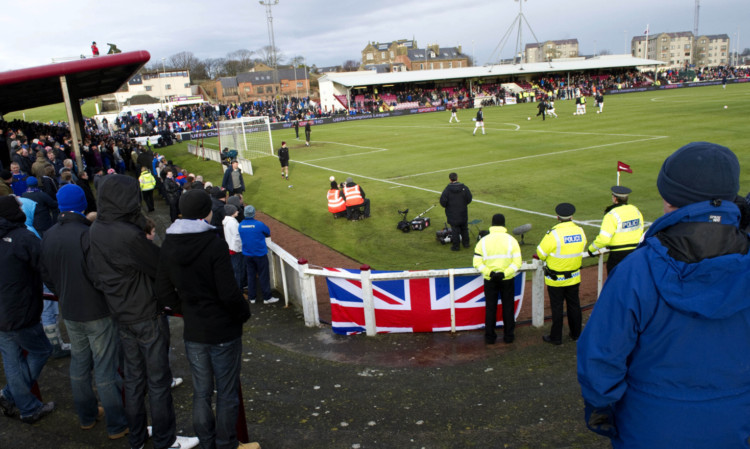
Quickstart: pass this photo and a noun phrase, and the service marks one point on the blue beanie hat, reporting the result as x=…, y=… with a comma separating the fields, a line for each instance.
x=699, y=171
x=70, y=197
x=32, y=181
x=249, y=212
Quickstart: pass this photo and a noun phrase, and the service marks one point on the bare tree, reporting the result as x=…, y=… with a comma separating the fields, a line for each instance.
x=605, y=52
x=244, y=59
x=187, y=60
x=297, y=61
x=351, y=65
x=265, y=55
x=215, y=67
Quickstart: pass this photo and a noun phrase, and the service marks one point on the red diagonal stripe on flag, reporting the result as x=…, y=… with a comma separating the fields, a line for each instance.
x=622, y=166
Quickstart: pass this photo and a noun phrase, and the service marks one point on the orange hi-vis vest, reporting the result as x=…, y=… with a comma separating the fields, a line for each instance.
x=353, y=196
x=335, y=201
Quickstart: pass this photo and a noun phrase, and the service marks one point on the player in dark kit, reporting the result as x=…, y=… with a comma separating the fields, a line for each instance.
x=284, y=160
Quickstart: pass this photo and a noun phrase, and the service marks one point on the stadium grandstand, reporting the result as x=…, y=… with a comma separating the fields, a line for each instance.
x=348, y=90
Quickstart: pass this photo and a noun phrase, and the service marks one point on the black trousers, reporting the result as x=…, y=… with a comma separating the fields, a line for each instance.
x=365, y=205
x=504, y=291
x=460, y=232
x=558, y=296
x=148, y=198
x=616, y=257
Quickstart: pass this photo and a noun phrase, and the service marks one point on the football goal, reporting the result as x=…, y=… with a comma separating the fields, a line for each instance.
x=249, y=136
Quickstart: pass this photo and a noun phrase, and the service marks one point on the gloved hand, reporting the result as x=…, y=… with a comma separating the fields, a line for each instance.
x=497, y=275
x=535, y=256
x=590, y=253
x=601, y=420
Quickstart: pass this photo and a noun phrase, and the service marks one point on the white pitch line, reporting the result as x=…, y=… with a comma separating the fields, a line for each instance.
x=376, y=150
x=531, y=157
x=518, y=129
x=436, y=192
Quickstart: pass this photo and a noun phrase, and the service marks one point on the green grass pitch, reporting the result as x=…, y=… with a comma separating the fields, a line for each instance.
x=521, y=168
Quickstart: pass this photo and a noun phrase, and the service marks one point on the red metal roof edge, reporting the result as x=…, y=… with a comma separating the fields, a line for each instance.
x=77, y=66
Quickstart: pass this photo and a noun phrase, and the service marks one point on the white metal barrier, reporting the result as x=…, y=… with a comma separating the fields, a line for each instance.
x=302, y=293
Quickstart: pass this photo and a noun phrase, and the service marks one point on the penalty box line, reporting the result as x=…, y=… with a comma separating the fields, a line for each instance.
x=533, y=156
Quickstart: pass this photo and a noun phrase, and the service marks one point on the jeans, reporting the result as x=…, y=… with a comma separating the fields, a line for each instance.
x=50, y=312
x=257, y=266
x=145, y=347
x=95, y=345
x=238, y=266
x=21, y=372
x=220, y=363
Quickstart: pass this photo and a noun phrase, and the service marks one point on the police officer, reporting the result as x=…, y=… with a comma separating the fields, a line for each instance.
x=622, y=228
x=498, y=257
x=561, y=249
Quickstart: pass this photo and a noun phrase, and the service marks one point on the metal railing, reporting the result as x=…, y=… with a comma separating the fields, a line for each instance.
x=295, y=279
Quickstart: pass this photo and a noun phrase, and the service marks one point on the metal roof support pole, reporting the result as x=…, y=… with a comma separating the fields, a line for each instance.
x=74, y=121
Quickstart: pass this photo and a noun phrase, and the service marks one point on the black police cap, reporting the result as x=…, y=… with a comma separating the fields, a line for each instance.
x=620, y=191
x=565, y=210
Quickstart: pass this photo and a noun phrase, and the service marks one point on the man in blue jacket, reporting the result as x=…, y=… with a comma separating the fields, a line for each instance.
x=663, y=360
x=253, y=234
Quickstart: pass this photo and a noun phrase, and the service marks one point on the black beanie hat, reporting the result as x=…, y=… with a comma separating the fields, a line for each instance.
x=699, y=171
x=10, y=209
x=195, y=204
x=498, y=220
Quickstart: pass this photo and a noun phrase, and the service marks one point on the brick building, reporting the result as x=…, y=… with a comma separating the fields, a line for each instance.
x=404, y=55
x=548, y=50
x=683, y=48
x=260, y=84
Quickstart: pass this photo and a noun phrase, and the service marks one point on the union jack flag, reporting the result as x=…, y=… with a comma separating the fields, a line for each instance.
x=413, y=305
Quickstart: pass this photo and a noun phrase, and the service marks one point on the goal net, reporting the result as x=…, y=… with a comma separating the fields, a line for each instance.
x=249, y=136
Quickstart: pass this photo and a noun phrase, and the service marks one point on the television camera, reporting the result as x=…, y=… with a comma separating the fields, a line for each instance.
x=418, y=223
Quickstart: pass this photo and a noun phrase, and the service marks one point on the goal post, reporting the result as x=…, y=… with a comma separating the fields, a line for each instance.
x=249, y=136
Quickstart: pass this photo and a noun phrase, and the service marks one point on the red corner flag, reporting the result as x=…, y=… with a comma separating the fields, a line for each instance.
x=621, y=166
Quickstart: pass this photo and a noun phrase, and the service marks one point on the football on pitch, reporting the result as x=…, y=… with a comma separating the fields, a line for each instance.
x=332, y=178
x=725, y=106
x=528, y=118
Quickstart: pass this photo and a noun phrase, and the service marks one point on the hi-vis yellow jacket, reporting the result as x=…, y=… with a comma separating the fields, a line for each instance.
x=147, y=181
x=622, y=229
x=498, y=252
x=561, y=248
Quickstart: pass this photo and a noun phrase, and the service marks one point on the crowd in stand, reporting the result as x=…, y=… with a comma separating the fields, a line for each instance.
x=167, y=124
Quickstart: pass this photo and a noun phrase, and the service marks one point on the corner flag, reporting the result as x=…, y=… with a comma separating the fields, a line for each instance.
x=621, y=166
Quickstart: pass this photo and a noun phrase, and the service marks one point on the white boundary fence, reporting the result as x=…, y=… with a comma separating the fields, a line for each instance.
x=295, y=279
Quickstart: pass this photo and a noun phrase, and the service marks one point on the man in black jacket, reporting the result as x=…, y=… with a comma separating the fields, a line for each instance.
x=92, y=331
x=20, y=314
x=124, y=265
x=195, y=277
x=455, y=199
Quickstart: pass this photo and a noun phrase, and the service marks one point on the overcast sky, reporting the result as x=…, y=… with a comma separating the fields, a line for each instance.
x=333, y=31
